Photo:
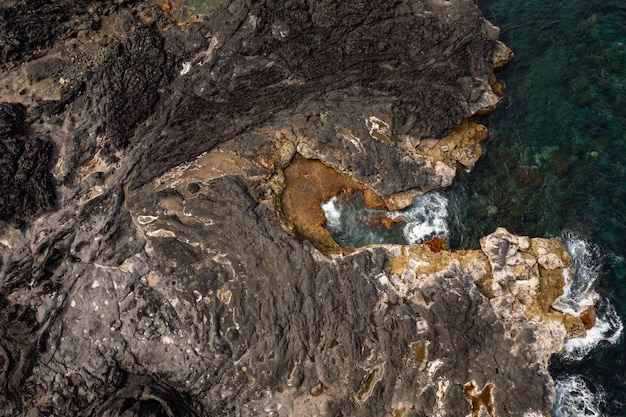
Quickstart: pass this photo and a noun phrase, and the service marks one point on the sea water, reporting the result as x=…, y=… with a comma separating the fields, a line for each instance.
x=579, y=294
x=555, y=161
x=352, y=223
x=555, y=166
x=575, y=398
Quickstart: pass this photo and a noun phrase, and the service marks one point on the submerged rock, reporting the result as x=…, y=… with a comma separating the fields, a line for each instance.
x=148, y=259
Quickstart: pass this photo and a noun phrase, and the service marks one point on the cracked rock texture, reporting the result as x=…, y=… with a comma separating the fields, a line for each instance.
x=147, y=267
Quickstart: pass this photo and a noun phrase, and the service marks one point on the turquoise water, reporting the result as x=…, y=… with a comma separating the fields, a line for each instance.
x=554, y=166
x=556, y=157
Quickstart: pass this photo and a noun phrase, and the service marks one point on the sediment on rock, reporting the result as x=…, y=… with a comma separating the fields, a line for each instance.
x=309, y=184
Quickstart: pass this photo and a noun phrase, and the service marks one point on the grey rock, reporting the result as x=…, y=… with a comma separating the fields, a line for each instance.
x=122, y=294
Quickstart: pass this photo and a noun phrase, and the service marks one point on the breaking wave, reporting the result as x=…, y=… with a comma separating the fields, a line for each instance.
x=352, y=223
x=574, y=398
x=579, y=294
x=426, y=218
x=333, y=213
x=608, y=328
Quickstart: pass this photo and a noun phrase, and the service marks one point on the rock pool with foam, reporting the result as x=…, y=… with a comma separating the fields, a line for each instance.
x=352, y=223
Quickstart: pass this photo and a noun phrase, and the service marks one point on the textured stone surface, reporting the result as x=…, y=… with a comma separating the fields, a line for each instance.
x=144, y=266
x=26, y=185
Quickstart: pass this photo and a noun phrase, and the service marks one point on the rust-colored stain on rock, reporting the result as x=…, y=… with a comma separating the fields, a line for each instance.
x=308, y=184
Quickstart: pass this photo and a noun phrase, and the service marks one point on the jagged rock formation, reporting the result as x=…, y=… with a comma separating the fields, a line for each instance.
x=147, y=265
x=26, y=186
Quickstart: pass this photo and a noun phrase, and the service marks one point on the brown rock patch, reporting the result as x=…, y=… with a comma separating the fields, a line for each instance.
x=480, y=399
x=309, y=184
x=588, y=317
x=460, y=146
x=437, y=244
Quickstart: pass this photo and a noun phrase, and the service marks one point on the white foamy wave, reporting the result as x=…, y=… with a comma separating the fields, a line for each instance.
x=575, y=399
x=578, y=292
x=426, y=218
x=332, y=213
x=608, y=327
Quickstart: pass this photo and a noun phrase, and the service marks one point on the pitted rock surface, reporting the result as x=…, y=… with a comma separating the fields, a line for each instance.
x=145, y=267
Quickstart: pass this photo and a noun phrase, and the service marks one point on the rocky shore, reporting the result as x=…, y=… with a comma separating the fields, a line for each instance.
x=162, y=249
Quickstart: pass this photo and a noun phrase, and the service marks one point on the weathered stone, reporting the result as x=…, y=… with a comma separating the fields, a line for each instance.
x=26, y=185
x=28, y=27
x=436, y=244
x=44, y=68
x=372, y=200
x=166, y=279
x=502, y=55
x=588, y=317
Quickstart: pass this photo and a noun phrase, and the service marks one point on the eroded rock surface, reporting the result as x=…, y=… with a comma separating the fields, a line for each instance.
x=26, y=184
x=148, y=266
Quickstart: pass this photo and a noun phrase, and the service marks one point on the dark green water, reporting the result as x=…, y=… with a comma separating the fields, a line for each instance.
x=554, y=166
x=556, y=157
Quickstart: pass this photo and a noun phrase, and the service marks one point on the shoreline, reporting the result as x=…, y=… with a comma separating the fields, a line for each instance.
x=159, y=268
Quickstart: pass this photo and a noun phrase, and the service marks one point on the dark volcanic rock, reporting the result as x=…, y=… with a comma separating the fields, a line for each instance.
x=129, y=82
x=162, y=283
x=32, y=25
x=26, y=184
x=421, y=67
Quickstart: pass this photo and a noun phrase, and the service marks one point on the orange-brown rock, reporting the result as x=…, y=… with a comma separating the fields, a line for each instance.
x=479, y=399
x=165, y=6
x=461, y=146
x=309, y=184
x=388, y=222
x=573, y=325
x=174, y=7
x=437, y=244
x=497, y=88
x=382, y=221
x=588, y=317
x=372, y=200
x=496, y=85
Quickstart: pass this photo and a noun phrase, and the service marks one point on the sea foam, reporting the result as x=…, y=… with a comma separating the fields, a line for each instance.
x=579, y=294
x=426, y=218
x=352, y=223
x=608, y=328
x=575, y=399
x=332, y=213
